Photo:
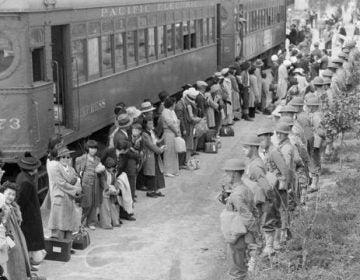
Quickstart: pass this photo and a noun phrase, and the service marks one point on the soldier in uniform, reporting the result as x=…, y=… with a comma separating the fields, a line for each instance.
x=266, y=199
x=348, y=66
x=337, y=83
x=278, y=175
x=316, y=142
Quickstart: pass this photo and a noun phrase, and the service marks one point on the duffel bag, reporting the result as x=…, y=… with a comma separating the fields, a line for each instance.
x=211, y=148
x=81, y=239
x=211, y=135
x=227, y=131
x=180, y=145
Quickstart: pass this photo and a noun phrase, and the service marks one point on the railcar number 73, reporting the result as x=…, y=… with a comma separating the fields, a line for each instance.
x=13, y=123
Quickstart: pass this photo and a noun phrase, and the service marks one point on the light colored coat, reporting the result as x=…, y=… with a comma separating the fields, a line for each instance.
x=65, y=215
x=210, y=109
x=150, y=149
x=282, y=81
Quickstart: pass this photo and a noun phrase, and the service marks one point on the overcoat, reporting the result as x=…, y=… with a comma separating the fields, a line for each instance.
x=150, y=149
x=65, y=215
x=282, y=81
x=28, y=201
x=211, y=108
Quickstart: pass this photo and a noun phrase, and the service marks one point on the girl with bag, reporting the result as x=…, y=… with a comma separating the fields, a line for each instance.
x=171, y=131
x=239, y=221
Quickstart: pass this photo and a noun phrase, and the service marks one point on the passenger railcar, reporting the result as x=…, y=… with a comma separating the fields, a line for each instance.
x=64, y=64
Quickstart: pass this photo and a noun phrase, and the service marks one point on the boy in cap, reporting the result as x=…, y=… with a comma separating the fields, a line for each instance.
x=241, y=201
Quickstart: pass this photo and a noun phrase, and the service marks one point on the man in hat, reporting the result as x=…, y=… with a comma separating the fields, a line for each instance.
x=28, y=200
x=278, y=173
x=293, y=35
x=226, y=87
x=241, y=200
x=314, y=148
x=200, y=98
x=348, y=66
x=236, y=106
x=244, y=85
x=316, y=55
x=340, y=72
x=264, y=195
x=282, y=84
x=258, y=65
x=324, y=61
x=121, y=133
x=302, y=82
x=337, y=84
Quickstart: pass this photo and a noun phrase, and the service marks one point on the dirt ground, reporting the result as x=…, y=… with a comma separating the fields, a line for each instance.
x=177, y=237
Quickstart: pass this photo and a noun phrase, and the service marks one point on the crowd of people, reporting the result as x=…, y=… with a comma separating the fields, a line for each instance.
x=282, y=162
x=148, y=143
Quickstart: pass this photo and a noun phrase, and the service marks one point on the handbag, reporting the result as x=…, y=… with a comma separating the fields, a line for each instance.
x=226, y=131
x=81, y=239
x=211, y=148
x=232, y=226
x=200, y=128
x=180, y=145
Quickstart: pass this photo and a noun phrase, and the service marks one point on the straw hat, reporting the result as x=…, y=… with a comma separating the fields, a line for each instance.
x=200, y=84
x=64, y=151
x=234, y=164
x=133, y=112
x=125, y=121
x=146, y=107
x=259, y=63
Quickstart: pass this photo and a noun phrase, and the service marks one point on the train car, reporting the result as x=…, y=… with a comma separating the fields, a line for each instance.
x=65, y=64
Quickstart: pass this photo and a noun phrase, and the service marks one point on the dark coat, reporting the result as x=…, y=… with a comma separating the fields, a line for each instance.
x=293, y=36
x=28, y=201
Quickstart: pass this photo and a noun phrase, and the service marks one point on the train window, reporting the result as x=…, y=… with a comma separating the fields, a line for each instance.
x=192, y=34
x=142, y=49
x=78, y=30
x=107, y=25
x=6, y=54
x=278, y=14
x=186, y=35
x=151, y=42
x=106, y=53
x=161, y=41
x=268, y=20
x=78, y=53
x=38, y=64
x=206, y=30
x=178, y=37
x=94, y=27
x=170, y=38
x=119, y=51
x=130, y=45
x=212, y=29
x=200, y=28
x=93, y=56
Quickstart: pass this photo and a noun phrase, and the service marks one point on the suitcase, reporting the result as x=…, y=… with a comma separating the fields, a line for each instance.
x=81, y=240
x=226, y=131
x=211, y=135
x=211, y=148
x=58, y=250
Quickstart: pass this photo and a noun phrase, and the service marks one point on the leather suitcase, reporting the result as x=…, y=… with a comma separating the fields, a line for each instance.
x=81, y=240
x=58, y=250
x=211, y=147
x=210, y=135
x=226, y=131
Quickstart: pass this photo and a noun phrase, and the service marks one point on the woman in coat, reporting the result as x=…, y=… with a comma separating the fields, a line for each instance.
x=171, y=130
x=65, y=215
x=282, y=84
x=85, y=166
x=254, y=94
x=153, y=166
x=28, y=201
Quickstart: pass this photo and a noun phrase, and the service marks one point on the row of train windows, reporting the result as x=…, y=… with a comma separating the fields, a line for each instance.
x=262, y=18
x=103, y=55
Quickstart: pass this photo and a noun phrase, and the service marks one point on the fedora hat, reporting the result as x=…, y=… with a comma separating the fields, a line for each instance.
x=200, y=84
x=146, y=107
x=283, y=127
x=124, y=120
x=28, y=162
x=63, y=151
x=327, y=73
x=288, y=120
x=265, y=130
x=234, y=164
x=288, y=109
x=251, y=140
x=133, y=112
x=318, y=81
x=92, y=144
x=224, y=71
x=313, y=101
x=258, y=63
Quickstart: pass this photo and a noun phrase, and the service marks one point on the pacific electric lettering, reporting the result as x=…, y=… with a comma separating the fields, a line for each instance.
x=139, y=9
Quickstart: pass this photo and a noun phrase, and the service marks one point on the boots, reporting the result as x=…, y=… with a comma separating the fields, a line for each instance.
x=269, y=244
x=277, y=235
x=314, y=187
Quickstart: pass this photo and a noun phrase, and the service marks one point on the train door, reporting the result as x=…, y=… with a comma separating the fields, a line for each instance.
x=60, y=40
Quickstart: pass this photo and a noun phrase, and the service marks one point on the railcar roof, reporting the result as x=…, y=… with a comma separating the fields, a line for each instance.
x=36, y=5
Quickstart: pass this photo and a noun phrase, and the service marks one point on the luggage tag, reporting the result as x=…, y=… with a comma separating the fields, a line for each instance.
x=10, y=242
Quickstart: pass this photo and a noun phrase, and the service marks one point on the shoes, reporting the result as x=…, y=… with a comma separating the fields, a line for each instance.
x=92, y=227
x=130, y=218
x=33, y=268
x=151, y=194
x=159, y=194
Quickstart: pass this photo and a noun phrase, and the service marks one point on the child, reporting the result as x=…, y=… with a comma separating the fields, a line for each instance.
x=109, y=211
